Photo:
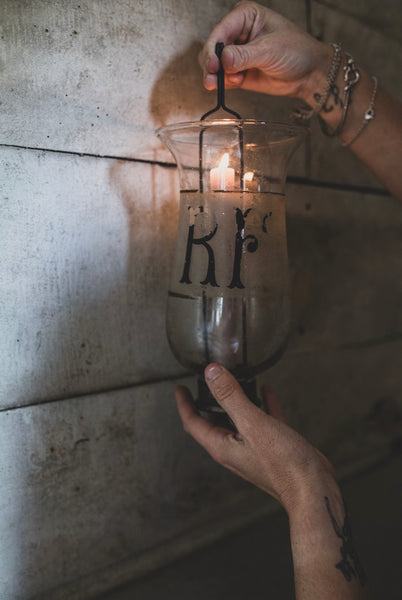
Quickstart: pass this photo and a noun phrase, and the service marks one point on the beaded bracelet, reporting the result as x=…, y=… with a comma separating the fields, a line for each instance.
x=368, y=115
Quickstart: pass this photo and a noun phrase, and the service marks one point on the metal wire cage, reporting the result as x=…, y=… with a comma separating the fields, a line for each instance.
x=220, y=106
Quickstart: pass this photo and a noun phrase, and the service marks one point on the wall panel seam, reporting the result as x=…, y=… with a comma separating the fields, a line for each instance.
x=308, y=16
x=362, y=344
x=342, y=187
x=99, y=392
x=304, y=181
x=90, y=155
x=331, y=6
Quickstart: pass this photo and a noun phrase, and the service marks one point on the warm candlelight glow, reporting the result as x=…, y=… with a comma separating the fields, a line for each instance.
x=248, y=176
x=222, y=177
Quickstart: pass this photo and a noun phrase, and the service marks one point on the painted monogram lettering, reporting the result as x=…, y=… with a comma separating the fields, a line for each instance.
x=242, y=242
x=202, y=241
x=241, y=239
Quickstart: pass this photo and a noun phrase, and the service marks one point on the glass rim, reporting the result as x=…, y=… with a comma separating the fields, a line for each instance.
x=293, y=129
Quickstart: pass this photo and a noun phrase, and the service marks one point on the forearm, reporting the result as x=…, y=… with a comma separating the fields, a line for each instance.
x=379, y=145
x=274, y=457
x=326, y=566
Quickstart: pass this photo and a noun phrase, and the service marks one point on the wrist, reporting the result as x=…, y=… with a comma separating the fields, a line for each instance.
x=345, y=102
x=324, y=557
x=317, y=79
x=311, y=487
x=308, y=513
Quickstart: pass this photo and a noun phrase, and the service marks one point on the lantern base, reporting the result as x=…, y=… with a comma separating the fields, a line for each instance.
x=207, y=403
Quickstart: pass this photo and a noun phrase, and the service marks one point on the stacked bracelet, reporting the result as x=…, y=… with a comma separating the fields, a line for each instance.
x=368, y=115
x=351, y=77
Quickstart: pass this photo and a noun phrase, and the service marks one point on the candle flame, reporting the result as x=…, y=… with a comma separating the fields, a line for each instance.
x=248, y=176
x=224, y=161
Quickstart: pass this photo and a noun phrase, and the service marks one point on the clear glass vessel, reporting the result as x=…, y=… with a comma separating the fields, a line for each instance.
x=229, y=300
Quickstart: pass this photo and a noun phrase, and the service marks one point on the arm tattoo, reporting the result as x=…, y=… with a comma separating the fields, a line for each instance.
x=350, y=565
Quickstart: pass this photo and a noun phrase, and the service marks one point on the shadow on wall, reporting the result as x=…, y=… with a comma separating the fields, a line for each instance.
x=178, y=93
x=149, y=195
x=95, y=271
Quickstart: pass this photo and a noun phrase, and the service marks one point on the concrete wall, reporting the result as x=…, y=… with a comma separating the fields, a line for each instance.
x=98, y=482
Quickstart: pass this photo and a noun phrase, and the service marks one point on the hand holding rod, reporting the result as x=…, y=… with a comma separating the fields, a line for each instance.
x=221, y=87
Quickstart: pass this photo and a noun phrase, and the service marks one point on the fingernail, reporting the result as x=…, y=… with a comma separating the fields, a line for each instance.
x=229, y=58
x=210, y=81
x=208, y=62
x=212, y=372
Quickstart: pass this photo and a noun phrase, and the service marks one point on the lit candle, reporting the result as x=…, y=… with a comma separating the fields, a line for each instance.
x=248, y=177
x=249, y=183
x=222, y=177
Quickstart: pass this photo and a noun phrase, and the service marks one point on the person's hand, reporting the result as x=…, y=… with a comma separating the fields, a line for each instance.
x=264, y=450
x=266, y=53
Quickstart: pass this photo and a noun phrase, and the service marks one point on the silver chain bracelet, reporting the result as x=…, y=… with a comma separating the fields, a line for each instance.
x=368, y=115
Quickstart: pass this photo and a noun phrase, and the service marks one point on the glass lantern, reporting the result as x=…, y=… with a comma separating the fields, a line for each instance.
x=229, y=300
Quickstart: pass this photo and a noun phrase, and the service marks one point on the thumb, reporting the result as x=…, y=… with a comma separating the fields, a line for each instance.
x=236, y=58
x=229, y=394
